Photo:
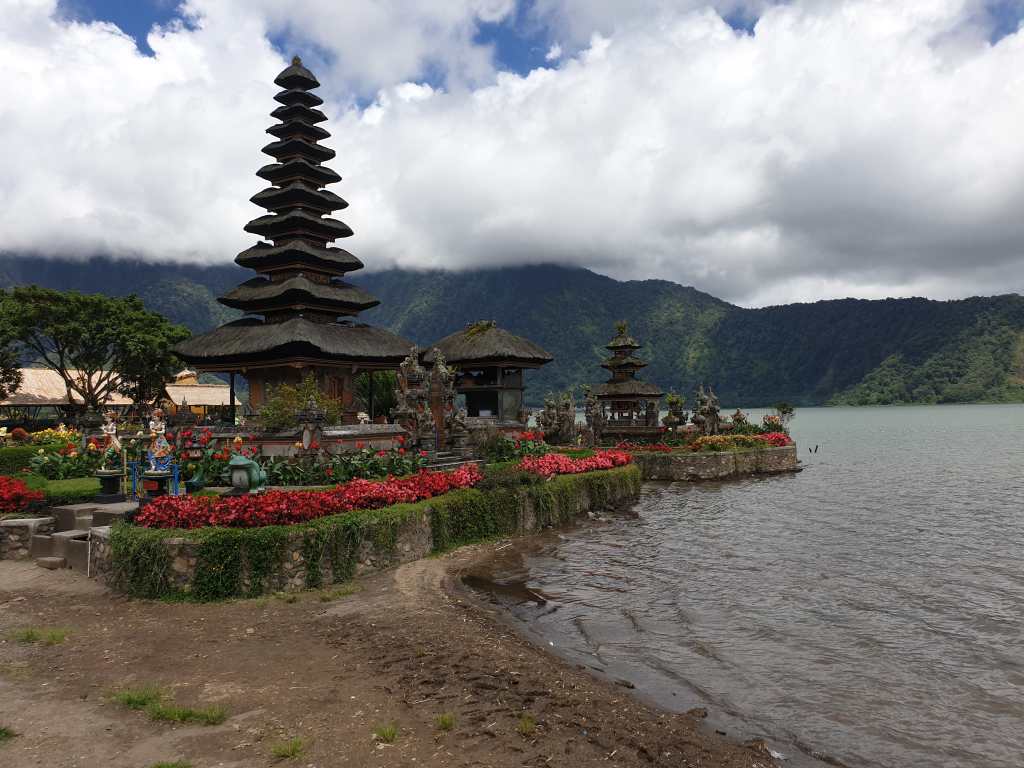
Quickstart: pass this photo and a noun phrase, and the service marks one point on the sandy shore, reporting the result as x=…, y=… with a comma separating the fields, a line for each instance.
x=326, y=668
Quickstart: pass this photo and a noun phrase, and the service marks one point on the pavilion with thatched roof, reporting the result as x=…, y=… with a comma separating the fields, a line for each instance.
x=300, y=315
x=489, y=363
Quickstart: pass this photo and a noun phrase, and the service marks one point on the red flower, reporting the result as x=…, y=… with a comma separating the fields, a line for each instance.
x=423, y=454
x=382, y=453
x=329, y=471
x=401, y=451
x=560, y=464
x=360, y=445
x=401, y=439
x=314, y=446
x=169, y=435
x=15, y=495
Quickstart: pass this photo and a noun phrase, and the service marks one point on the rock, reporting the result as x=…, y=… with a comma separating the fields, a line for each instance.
x=50, y=563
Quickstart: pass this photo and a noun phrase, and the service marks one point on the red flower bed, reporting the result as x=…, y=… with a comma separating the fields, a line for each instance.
x=560, y=464
x=626, y=445
x=289, y=507
x=776, y=439
x=15, y=495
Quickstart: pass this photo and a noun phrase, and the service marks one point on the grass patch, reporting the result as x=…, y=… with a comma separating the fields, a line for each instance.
x=338, y=592
x=445, y=721
x=286, y=750
x=139, y=698
x=527, y=724
x=175, y=764
x=172, y=713
x=386, y=733
x=6, y=734
x=33, y=635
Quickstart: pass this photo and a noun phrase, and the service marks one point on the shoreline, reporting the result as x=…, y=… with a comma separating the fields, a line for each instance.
x=328, y=668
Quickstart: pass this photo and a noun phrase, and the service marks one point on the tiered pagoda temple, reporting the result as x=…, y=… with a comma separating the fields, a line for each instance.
x=489, y=363
x=300, y=316
x=629, y=406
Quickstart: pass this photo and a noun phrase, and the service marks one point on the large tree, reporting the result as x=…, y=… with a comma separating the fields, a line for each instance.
x=10, y=375
x=98, y=345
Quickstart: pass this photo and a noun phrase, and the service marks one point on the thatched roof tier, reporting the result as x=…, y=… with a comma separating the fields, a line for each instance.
x=297, y=170
x=631, y=388
x=298, y=129
x=297, y=76
x=484, y=342
x=251, y=342
x=265, y=257
x=629, y=363
x=299, y=113
x=298, y=194
x=289, y=148
x=297, y=223
x=291, y=96
x=623, y=341
x=196, y=395
x=260, y=295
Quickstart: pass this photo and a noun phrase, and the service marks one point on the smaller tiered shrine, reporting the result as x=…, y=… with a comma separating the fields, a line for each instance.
x=624, y=407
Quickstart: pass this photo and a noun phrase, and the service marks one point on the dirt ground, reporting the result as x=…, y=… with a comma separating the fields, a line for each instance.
x=326, y=668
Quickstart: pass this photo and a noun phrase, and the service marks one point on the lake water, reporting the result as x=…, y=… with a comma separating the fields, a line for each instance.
x=867, y=610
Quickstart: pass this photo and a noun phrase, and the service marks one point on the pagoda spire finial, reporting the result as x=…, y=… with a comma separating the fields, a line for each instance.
x=296, y=61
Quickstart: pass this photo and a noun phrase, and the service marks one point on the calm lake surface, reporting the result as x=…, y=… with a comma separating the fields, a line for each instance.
x=868, y=609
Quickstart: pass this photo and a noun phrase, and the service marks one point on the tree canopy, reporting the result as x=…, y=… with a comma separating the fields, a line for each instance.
x=97, y=344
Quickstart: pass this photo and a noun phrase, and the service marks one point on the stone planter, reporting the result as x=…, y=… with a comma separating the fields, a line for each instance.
x=110, y=486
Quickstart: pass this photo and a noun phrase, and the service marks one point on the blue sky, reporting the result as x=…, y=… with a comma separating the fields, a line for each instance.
x=520, y=42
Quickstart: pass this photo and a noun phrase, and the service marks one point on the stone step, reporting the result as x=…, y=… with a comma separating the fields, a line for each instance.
x=77, y=555
x=41, y=546
x=116, y=514
x=51, y=563
x=61, y=540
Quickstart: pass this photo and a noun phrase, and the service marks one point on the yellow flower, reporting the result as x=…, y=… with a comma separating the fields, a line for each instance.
x=299, y=446
x=41, y=451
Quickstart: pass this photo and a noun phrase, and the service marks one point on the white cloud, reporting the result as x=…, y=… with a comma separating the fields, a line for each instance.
x=846, y=148
x=554, y=53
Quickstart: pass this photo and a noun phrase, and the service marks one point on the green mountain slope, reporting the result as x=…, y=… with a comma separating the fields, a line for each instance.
x=849, y=351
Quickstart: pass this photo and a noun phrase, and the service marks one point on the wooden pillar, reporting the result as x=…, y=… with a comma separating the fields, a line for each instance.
x=231, y=399
x=369, y=404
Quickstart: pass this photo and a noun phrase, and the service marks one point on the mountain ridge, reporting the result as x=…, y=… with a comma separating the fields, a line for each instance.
x=840, y=351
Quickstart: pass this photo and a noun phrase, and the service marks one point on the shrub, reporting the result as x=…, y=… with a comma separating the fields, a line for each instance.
x=139, y=698
x=73, y=491
x=15, y=458
x=67, y=462
x=386, y=733
x=16, y=497
x=281, y=409
x=445, y=721
x=19, y=435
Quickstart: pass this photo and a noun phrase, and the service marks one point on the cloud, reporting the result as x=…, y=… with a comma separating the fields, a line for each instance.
x=554, y=53
x=844, y=148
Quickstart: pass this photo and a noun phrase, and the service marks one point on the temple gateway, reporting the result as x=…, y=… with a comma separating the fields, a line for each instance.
x=300, y=315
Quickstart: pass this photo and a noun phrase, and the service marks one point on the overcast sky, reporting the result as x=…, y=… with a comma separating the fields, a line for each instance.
x=762, y=152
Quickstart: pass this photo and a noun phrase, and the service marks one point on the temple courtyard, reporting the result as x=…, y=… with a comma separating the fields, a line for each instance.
x=402, y=668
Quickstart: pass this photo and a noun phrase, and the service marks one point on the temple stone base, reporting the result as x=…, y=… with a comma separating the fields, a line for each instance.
x=716, y=466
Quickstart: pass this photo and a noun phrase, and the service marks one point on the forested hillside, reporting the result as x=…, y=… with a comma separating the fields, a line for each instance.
x=849, y=351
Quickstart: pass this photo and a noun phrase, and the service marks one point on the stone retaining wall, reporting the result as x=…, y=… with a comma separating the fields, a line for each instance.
x=383, y=544
x=716, y=466
x=16, y=535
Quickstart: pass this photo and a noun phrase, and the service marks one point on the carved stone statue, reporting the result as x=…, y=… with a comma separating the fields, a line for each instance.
x=595, y=418
x=159, y=452
x=412, y=401
x=558, y=419
x=651, y=413
x=111, y=443
x=739, y=417
x=706, y=413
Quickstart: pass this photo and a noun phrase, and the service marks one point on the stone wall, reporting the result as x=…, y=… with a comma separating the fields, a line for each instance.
x=16, y=535
x=716, y=466
x=411, y=539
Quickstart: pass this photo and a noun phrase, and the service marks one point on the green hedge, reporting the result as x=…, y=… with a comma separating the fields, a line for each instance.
x=59, y=492
x=246, y=562
x=15, y=458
